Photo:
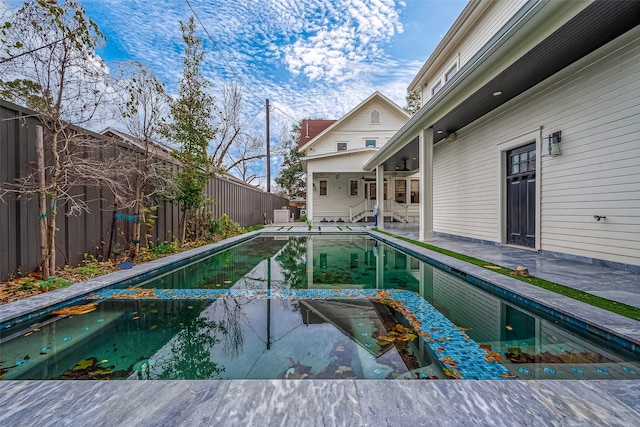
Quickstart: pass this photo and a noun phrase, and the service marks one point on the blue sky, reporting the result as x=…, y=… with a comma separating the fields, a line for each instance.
x=315, y=58
x=311, y=58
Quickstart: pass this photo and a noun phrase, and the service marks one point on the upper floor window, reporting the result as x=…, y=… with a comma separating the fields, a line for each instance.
x=369, y=142
x=452, y=72
x=436, y=87
x=342, y=146
x=375, y=117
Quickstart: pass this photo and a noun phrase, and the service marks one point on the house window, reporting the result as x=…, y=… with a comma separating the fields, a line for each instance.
x=353, y=188
x=436, y=87
x=323, y=187
x=375, y=117
x=401, y=191
x=415, y=191
x=342, y=146
x=369, y=142
x=452, y=72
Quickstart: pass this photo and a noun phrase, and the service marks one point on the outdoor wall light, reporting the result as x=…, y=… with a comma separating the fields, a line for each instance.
x=551, y=145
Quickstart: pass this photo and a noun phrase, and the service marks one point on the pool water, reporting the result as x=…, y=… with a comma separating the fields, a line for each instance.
x=226, y=338
x=139, y=336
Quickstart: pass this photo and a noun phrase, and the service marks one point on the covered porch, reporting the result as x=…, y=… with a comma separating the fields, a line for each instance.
x=350, y=197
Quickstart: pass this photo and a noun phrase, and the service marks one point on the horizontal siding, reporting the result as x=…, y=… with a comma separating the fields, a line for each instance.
x=466, y=195
x=488, y=26
x=597, y=108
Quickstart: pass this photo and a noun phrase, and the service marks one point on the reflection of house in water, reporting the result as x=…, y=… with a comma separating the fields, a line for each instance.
x=359, y=262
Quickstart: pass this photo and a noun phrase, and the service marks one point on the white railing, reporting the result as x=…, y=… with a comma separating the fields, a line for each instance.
x=357, y=209
x=393, y=208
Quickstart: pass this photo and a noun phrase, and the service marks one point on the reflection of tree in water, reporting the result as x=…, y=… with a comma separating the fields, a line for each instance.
x=191, y=348
x=232, y=315
x=293, y=262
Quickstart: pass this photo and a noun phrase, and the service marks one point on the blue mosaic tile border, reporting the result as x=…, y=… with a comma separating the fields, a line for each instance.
x=451, y=346
x=581, y=324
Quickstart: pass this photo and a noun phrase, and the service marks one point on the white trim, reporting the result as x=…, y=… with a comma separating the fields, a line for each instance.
x=340, y=153
x=504, y=146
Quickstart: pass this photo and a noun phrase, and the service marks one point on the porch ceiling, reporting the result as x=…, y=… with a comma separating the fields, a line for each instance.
x=595, y=26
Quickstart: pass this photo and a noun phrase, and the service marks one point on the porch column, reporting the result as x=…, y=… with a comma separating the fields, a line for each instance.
x=426, y=184
x=310, y=196
x=380, y=195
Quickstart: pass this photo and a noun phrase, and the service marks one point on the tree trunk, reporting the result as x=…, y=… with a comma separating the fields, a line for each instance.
x=55, y=190
x=183, y=227
x=42, y=203
x=135, y=235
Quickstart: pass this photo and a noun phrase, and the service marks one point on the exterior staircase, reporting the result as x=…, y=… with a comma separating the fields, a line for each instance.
x=392, y=209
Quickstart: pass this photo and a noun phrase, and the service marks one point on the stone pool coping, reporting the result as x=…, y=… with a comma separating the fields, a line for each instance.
x=320, y=403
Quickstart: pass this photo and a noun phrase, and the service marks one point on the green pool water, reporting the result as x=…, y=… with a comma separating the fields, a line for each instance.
x=297, y=338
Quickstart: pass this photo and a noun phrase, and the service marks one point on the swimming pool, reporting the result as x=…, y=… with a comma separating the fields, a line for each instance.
x=221, y=316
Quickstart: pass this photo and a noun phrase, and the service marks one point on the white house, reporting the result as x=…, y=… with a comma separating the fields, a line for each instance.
x=338, y=188
x=529, y=131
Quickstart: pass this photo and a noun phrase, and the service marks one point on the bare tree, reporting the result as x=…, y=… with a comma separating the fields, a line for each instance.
x=52, y=68
x=143, y=110
x=243, y=158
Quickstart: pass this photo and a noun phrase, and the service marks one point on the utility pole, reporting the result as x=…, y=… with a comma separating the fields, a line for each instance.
x=268, y=151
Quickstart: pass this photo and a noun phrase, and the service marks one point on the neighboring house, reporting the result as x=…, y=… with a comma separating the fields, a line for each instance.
x=338, y=189
x=156, y=148
x=529, y=129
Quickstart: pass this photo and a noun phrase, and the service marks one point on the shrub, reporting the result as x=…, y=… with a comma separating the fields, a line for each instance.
x=303, y=218
x=223, y=228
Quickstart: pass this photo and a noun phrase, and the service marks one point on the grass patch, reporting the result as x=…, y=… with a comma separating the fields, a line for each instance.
x=255, y=227
x=594, y=300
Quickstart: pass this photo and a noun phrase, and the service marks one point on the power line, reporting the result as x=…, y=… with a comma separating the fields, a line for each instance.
x=220, y=52
x=231, y=67
x=283, y=112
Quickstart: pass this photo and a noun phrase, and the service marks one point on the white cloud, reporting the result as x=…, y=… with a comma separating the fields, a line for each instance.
x=312, y=57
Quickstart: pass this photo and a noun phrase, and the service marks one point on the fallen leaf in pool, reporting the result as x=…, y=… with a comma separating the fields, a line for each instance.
x=77, y=309
x=84, y=364
x=153, y=326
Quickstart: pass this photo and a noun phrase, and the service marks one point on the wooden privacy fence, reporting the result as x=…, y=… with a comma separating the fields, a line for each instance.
x=89, y=233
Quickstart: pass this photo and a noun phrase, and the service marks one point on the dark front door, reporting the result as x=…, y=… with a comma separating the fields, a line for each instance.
x=521, y=196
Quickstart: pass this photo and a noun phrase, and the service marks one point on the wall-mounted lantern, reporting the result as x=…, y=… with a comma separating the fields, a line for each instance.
x=551, y=145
